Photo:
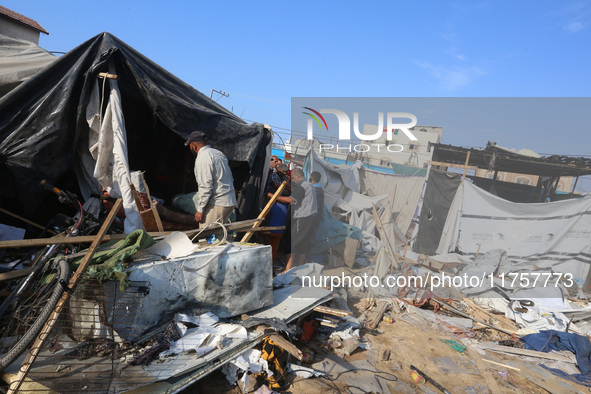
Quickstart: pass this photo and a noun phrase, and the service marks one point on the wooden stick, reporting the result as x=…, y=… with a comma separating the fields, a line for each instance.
x=107, y=75
x=265, y=211
x=466, y=166
x=384, y=237
x=454, y=310
x=378, y=318
x=36, y=348
x=490, y=379
x=500, y=318
x=14, y=215
x=15, y=274
x=501, y=365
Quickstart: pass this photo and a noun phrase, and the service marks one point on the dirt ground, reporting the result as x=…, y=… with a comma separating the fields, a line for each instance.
x=410, y=344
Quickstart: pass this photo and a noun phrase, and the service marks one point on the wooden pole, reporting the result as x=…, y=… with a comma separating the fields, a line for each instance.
x=384, y=237
x=265, y=211
x=466, y=166
x=36, y=348
x=156, y=214
x=14, y=215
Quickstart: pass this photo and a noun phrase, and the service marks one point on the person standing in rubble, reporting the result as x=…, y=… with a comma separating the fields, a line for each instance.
x=305, y=208
x=217, y=197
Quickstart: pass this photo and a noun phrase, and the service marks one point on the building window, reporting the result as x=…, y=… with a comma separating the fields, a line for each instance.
x=384, y=163
x=365, y=159
x=414, y=147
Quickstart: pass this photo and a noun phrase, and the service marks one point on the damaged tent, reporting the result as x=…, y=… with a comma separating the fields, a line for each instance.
x=463, y=218
x=49, y=130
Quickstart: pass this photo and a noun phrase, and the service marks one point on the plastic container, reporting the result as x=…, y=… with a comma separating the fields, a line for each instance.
x=416, y=377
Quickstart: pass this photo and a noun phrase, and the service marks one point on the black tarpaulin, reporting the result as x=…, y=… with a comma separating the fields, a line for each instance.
x=439, y=194
x=44, y=118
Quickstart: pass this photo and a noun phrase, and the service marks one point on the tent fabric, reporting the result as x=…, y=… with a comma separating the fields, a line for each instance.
x=44, y=118
x=551, y=235
x=20, y=60
x=405, y=191
x=439, y=193
x=341, y=184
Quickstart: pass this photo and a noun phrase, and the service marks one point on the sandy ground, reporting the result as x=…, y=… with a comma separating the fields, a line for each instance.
x=411, y=344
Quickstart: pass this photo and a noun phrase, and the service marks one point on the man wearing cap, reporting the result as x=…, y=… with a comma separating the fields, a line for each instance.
x=217, y=197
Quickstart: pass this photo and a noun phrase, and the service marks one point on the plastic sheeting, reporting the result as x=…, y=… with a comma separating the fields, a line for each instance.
x=341, y=184
x=552, y=235
x=439, y=193
x=405, y=190
x=44, y=118
x=19, y=60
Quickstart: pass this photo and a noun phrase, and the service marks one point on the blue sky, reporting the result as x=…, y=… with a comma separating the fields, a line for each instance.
x=264, y=53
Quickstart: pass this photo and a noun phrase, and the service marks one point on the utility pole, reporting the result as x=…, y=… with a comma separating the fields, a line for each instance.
x=222, y=94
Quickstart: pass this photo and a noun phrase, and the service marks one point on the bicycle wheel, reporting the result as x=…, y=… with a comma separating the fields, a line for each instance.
x=20, y=326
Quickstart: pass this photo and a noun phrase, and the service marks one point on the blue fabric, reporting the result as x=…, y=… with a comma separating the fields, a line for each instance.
x=547, y=340
x=332, y=232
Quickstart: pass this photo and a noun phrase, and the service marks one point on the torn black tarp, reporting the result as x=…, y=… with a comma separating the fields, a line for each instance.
x=439, y=193
x=43, y=126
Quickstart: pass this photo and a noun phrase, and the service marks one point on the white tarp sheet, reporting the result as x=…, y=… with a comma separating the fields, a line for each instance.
x=553, y=235
x=108, y=146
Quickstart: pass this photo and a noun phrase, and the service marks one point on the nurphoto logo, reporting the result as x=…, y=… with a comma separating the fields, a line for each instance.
x=344, y=129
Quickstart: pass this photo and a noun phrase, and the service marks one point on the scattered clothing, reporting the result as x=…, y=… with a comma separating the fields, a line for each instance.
x=548, y=340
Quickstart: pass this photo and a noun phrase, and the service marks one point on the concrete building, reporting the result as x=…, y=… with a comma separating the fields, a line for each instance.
x=412, y=153
x=15, y=25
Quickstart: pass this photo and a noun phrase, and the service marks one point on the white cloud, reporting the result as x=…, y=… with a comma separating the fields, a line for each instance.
x=573, y=27
x=452, y=78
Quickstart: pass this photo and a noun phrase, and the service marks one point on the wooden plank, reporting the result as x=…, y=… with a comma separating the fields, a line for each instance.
x=332, y=311
x=384, y=237
x=147, y=215
x=278, y=339
x=38, y=344
x=443, y=164
x=383, y=306
x=525, y=352
x=265, y=211
x=15, y=274
x=152, y=206
x=60, y=240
